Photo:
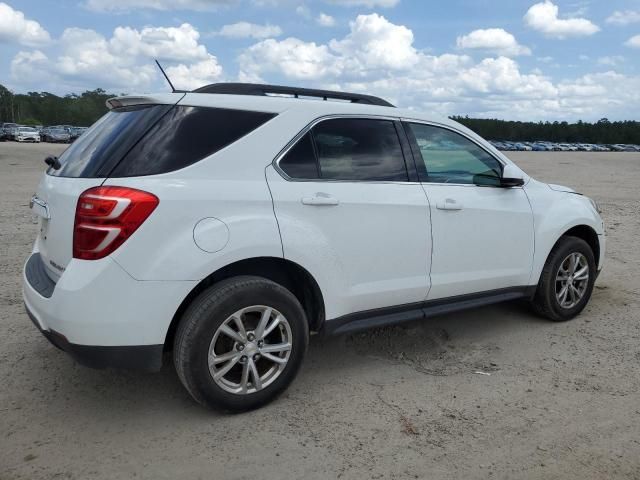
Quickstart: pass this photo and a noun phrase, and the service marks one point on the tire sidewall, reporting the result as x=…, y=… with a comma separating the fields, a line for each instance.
x=214, y=314
x=572, y=245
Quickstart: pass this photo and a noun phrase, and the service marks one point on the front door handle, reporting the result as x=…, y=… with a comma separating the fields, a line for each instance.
x=449, y=204
x=320, y=200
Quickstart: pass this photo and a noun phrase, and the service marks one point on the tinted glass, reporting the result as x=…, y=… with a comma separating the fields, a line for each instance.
x=300, y=160
x=451, y=158
x=105, y=143
x=359, y=149
x=186, y=135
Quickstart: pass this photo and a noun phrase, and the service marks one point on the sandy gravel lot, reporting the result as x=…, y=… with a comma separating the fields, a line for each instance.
x=562, y=400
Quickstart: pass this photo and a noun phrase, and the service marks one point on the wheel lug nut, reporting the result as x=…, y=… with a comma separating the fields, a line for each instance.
x=251, y=337
x=243, y=358
x=256, y=357
x=240, y=347
x=260, y=343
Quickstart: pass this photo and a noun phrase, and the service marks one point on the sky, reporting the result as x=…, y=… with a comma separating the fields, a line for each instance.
x=509, y=59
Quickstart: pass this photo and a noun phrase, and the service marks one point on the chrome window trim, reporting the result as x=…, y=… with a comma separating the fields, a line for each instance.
x=305, y=130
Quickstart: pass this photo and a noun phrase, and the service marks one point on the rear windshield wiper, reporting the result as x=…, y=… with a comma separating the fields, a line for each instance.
x=53, y=162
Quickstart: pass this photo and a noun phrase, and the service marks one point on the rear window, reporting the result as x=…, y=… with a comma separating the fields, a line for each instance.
x=154, y=139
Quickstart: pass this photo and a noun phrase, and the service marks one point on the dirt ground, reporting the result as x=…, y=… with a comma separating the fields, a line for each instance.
x=561, y=400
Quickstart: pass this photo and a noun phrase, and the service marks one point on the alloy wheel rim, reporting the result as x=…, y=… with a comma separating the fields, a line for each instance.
x=572, y=280
x=250, y=350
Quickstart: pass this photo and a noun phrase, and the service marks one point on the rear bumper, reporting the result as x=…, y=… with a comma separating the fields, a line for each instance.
x=100, y=315
x=134, y=357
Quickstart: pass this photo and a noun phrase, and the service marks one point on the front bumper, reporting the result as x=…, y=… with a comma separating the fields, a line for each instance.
x=100, y=315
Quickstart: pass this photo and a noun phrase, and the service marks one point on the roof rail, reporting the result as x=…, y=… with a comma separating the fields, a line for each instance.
x=267, y=90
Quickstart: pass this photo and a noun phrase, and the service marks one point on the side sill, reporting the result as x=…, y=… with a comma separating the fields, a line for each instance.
x=382, y=317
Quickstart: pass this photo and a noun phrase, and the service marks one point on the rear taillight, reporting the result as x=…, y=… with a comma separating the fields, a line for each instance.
x=106, y=217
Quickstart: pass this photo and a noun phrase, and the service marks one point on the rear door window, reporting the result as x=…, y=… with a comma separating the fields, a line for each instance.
x=300, y=161
x=359, y=149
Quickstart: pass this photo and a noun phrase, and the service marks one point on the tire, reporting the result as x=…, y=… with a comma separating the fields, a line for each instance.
x=546, y=301
x=199, y=336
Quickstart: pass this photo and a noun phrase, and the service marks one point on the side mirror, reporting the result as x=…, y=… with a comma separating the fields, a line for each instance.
x=511, y=177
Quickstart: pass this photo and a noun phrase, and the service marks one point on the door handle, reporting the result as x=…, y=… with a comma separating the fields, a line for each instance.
x=320, y=200
x=449, y=204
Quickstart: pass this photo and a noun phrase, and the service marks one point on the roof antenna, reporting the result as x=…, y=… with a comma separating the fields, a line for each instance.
x=173, y=89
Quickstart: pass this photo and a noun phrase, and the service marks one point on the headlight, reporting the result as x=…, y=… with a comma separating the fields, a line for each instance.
x=594, y=204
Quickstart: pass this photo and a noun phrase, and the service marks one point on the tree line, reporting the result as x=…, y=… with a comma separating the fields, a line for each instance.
x=603, y=131
x=44, y=108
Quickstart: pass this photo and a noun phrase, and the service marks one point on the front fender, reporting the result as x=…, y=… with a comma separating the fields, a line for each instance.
x=555, y=213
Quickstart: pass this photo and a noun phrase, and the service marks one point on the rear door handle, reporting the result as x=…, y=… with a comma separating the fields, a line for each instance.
x=321, y=200
x=449, y=204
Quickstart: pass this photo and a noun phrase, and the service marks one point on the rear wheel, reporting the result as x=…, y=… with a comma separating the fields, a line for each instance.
x=240, y=343
x=567, y=280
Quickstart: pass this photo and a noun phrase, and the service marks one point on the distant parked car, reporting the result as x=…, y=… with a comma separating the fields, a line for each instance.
x=9, y=129
x=6, y=130
x=26, y=134
x=540, y=147
x=56, y=135
x=75, y=132
x=523, y=147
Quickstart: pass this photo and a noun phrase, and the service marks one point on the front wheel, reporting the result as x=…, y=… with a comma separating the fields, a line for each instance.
x=240, y=343
x=567, y=280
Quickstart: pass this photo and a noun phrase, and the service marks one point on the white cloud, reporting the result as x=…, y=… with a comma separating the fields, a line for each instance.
x=166, y=43
x=86, y=59
x=250, y=30
x=379, y=57
x=633, y=42
x=32, y=65
x=190, y=77
x=14, y=27
x=292, y=57
x=325, y=20
x=303, y=11
x=494, y=40
x=375, y=43
x=611, y=61
x=115, y=6
x=543, y=17
x=624, y=17
x=365, y=3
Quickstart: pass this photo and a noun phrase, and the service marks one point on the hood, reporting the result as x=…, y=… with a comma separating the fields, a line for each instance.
x=561, y=188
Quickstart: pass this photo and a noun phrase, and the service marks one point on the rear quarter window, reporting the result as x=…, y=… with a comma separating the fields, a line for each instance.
x=186, y=135
x=154, y=139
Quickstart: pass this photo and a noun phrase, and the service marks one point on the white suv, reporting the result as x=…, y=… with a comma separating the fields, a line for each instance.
x=229, y=223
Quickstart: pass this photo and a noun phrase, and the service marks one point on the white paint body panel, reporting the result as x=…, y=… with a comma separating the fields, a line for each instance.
x=98, y=303
x=486, y=245
x=371, y=250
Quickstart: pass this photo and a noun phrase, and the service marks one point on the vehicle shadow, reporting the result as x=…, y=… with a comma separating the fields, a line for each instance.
x=441, y=345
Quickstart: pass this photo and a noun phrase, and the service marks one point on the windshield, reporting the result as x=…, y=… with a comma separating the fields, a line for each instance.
x=27, y=129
